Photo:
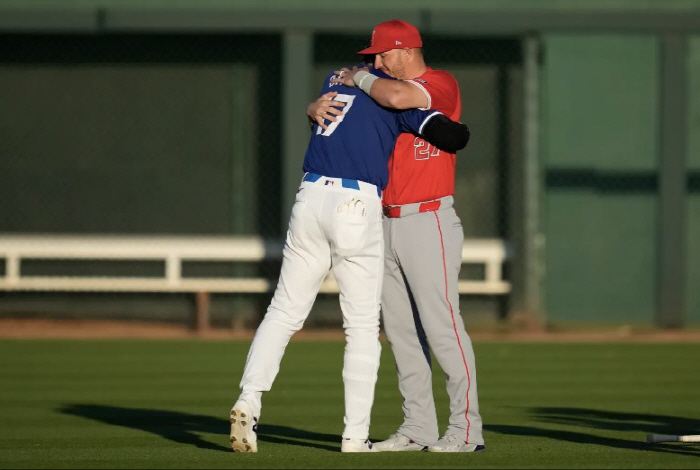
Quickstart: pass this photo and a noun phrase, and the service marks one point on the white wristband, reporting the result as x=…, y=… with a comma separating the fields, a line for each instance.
x=364, y=80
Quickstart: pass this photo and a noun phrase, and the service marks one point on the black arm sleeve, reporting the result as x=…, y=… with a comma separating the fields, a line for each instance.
x=446, y=134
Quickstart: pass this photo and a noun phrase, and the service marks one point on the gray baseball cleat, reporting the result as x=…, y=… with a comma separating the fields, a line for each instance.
x=398, y=442
x=453, y=443
x=356, y=445
x=243, y=428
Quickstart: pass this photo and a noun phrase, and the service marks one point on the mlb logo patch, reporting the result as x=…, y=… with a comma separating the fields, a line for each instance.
x=329, y=182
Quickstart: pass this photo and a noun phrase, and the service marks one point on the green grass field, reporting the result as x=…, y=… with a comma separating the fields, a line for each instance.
x=165, y=404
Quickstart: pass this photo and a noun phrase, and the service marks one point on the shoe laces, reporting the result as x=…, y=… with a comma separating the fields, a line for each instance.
x=397, y=436
x=452, y=438
x=367, y=441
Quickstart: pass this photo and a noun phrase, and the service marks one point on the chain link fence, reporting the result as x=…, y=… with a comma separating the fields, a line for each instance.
x=181, y=134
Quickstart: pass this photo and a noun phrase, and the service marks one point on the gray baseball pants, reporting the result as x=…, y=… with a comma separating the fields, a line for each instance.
x=420, y=313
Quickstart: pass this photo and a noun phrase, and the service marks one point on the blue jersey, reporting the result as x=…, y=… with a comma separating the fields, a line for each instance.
x=358, y=145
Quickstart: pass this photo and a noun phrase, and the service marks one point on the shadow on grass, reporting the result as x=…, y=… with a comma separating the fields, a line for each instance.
x=609, y=421
x=184, y=427
x=286, y=435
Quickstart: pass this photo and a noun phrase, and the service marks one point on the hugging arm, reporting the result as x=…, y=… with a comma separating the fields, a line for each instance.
x=388, y=92
x=439, y=130
x=446, y=134
x=436, y=128
x=325, y=108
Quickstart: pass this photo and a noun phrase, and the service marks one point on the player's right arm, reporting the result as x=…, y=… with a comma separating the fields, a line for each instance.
x=436, y=128
x=398, y=94
x=388, y=92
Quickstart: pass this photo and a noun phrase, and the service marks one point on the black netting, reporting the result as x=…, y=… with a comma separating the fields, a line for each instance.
x=181, y=134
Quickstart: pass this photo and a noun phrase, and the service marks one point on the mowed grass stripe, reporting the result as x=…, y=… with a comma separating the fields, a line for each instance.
x=164, y=404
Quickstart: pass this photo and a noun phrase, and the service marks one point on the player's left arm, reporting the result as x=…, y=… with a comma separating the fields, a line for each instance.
x=446, y=134
x=325, y=108
x=436, y=128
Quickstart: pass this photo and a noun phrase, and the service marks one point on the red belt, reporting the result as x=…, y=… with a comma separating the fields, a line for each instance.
x=396, y=211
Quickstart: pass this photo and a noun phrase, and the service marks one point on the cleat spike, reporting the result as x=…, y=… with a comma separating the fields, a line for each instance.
x=243, y=429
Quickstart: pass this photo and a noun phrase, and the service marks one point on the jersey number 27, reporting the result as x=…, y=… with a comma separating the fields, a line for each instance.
x=423, y=150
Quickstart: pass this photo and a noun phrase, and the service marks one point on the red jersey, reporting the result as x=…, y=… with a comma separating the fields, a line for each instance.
x=418, y=171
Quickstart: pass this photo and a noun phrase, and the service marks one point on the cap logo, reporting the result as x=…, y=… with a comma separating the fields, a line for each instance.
x=393, y=34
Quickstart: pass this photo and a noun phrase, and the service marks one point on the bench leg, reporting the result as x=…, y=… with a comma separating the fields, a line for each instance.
x=201, y=320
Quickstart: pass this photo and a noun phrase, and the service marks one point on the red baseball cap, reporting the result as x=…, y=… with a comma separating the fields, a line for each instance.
x=393, y=34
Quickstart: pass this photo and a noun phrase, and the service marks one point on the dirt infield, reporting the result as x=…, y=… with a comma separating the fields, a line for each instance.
x=90, y=329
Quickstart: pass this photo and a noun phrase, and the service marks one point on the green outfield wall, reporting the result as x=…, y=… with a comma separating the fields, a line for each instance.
x=599, y=156
x=187, y=117
x=693, y=207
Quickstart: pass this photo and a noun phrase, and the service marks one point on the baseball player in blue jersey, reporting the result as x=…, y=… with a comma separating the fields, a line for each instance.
x=336, y=224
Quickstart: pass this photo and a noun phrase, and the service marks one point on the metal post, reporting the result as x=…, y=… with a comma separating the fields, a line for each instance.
x=533, y=243
x=12, y=266
x=201, y=312
x=297, y=66
x=673, y=188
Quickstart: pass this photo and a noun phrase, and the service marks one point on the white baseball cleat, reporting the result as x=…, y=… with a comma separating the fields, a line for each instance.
x=453, y=443
x=243, y=428
x=398, y=442
x=356, y=445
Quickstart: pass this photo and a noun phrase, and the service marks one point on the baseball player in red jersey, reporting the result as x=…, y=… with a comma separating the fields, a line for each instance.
x=423, y=251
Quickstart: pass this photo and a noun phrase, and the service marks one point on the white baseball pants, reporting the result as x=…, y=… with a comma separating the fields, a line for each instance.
x=339, y=228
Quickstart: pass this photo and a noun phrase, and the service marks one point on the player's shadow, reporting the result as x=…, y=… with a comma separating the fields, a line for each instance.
x=591, y=419
x=286, y=435
x=186, y=428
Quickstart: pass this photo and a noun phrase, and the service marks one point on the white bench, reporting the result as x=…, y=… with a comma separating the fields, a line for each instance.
x=173, y=251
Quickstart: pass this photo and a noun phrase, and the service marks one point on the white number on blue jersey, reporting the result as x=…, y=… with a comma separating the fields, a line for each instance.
x=347, y=99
